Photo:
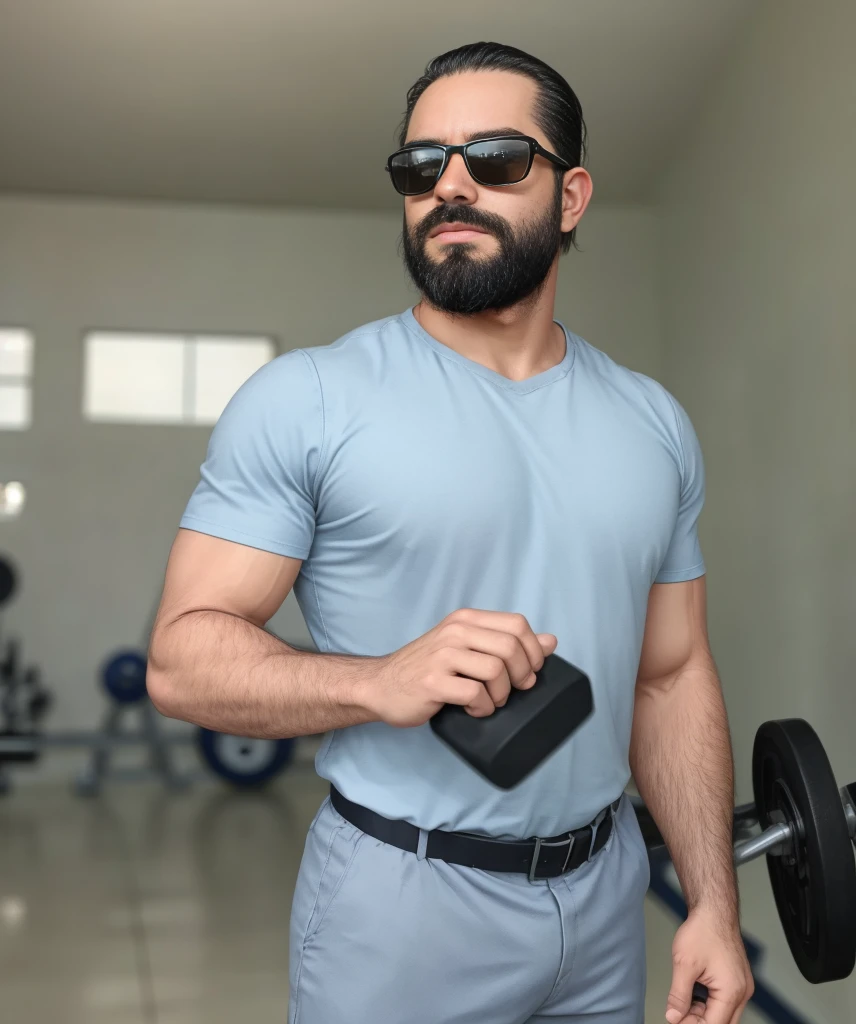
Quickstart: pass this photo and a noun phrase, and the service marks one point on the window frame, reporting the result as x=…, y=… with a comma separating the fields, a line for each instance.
x=25, y=381
x=188, y=389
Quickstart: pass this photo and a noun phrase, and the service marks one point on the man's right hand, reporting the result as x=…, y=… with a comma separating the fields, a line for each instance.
x=472, y=658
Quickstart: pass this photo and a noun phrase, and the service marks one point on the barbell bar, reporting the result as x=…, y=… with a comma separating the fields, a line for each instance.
x=777, y=840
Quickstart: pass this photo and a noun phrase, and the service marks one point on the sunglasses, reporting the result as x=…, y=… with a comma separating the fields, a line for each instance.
x=416, y=169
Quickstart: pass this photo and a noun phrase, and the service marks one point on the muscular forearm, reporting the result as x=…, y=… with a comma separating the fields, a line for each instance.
x=220, y=671
x=682, y=766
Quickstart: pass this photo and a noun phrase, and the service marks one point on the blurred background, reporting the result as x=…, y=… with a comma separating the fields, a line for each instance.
x=188, y=189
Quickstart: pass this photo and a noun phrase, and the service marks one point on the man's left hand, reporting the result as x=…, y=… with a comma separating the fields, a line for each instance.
x=708, y=952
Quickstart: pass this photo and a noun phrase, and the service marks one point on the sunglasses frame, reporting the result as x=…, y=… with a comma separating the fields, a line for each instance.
x=450, y=151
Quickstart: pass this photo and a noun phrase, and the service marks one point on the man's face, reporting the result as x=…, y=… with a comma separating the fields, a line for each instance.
x=513, y=232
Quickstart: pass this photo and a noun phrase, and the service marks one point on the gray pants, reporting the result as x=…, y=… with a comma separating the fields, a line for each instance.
x=380, y=936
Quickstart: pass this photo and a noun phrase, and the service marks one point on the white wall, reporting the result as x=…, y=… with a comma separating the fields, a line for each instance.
x=759, y=224
x=104, y=501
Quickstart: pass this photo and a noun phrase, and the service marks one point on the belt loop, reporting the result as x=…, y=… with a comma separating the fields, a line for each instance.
x=595, y=826
x=533, y=867
x=422, y=845
x=571, y=844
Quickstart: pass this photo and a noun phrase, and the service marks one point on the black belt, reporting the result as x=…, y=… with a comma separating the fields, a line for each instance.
x=537, y=858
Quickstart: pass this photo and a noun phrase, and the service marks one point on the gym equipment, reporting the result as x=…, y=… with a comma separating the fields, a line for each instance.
x=40, y=699
x=8, y=581
x=244, y=762
x=805, y=825
x=124, y=676
x=9, y=664
x=23, y=704
x=812, y=870
x=509, y=744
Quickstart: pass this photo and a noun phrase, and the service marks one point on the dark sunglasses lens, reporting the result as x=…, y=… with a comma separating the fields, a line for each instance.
x=415, y=170
x=501, y=162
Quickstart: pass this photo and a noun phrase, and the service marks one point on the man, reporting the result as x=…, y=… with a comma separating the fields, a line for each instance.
x=454, y=493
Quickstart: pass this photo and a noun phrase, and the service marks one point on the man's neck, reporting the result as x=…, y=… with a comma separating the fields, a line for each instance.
x=516, y=343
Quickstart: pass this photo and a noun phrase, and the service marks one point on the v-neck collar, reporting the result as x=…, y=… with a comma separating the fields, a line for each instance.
x=521, y=387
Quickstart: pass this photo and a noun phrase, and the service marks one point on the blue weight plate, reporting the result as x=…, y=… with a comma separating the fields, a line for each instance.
x=244, y=762
x=124, y=676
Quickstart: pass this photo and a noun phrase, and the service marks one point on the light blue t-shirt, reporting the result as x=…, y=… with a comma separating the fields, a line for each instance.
x=413, y=481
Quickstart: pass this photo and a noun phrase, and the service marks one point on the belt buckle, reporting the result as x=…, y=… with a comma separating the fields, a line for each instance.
x=533, y=867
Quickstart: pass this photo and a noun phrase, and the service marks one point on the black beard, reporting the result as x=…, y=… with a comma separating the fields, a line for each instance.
x=466, y=283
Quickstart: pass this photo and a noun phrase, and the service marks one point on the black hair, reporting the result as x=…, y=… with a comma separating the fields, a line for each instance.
x=558, y=112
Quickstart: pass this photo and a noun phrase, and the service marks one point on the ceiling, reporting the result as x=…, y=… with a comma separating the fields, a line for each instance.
x=268, y=102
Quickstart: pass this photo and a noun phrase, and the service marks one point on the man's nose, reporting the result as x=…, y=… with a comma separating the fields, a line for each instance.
x=455, y=184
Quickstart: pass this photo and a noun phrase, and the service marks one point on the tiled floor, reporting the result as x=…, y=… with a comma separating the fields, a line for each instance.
x=141, y=907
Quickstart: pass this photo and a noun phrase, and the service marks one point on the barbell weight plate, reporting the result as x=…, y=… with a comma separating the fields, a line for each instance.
x=124, y=676
x=8, y=581
x=244, y=762
x=850, y=812
x=814, y=883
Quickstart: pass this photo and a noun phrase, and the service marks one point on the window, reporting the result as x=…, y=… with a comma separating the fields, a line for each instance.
x=16, y=371
x=166, y=378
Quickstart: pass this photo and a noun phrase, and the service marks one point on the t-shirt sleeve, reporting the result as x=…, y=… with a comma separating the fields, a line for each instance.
x=257, y=482
x=684, y=559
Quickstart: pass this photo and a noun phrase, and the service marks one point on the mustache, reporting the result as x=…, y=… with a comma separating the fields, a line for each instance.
x=447, y=214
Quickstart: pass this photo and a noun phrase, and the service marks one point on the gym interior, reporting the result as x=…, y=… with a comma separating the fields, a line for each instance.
x=173, y=215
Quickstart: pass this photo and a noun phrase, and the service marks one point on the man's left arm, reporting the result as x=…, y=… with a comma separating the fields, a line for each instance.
x=682, y=765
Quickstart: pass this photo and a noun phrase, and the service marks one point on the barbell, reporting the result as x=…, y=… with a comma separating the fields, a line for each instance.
x=804, y=823
x=801, y=820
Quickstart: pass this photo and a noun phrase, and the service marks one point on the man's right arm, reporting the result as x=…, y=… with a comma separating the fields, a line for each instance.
x=212, y=663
